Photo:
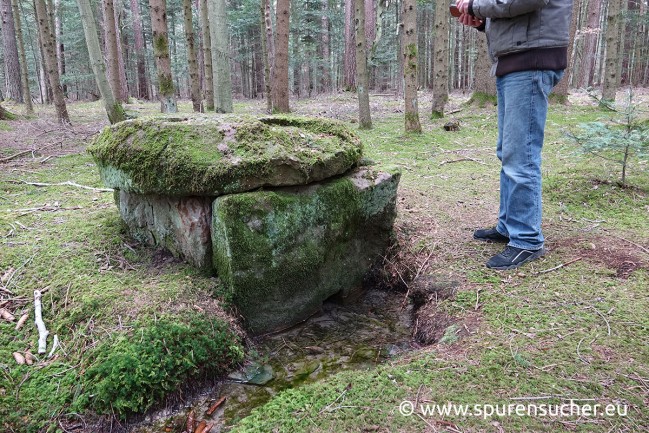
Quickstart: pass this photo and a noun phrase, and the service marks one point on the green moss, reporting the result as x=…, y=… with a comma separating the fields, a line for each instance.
x=203, y=156
x=482, y=99
x=166, y=84
x=129, y=373
x=161, y=45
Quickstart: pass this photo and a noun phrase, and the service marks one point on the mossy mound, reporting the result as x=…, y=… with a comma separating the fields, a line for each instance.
x=202, y=155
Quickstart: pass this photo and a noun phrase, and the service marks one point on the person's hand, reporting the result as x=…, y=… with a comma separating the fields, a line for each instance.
x=469, y=20
x=465, y=18
x=463, y=6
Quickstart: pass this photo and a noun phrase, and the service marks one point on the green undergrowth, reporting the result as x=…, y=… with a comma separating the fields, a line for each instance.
x=572, y=325
x=134, y=324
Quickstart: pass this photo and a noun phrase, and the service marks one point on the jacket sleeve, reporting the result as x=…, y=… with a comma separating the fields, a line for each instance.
x=504, y=8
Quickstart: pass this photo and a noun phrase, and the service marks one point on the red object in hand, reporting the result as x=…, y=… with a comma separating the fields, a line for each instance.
x=455, y=12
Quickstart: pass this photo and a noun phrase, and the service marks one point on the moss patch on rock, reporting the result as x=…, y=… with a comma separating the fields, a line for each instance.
x=210, y=156
x=283, y=252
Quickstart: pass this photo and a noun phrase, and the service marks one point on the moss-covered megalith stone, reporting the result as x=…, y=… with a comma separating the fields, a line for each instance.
x=283, y=252
x=202, y=155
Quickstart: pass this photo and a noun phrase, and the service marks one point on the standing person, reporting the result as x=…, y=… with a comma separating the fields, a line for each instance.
x=528, y=43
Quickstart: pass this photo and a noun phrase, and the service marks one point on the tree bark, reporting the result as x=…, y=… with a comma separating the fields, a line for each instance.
x=58, y=37
x=166, y=90
x=123, y=91
x=409, y=16
x=484, y=87
x=280, y=68
x=112, y=53
x=13, y=84
x=24, y=73
x=50, y=61
x=612, y=68
x=349, y=76
x=264, y=54
x=113, y=107
x=220, y=56
x=138, y=35
x=364, y=115
x=589, y=51
x=325, y=50
x=560, y=92
x=440, y=65
x=207, y=57
x=194, y=85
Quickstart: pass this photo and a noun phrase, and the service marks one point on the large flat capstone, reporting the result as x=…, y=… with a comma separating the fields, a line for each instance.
x=210, y=156
x=283, y=252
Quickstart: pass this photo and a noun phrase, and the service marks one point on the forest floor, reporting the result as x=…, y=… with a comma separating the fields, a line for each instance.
x=572, y=326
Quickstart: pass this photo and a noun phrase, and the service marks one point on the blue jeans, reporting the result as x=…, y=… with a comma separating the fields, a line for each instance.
x=522, y=111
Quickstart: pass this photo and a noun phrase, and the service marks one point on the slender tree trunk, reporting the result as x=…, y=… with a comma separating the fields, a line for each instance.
x=138, y=35
x=264, y=53
x=325, y=50
x=58, y=37
x=207, y=57
x=440, y=65
x=113, y=107
x=409, y=16
x=194, y=85
x=590, y=44
x=364, y=115
x=50, y=61
x=280, y=68
x=112, y=53
x=24, y=73
x=484, y=87
x=350, y=51
x=612, y=69
x=123, y=91
x=13, y=84
x=166, y=90
x=220, y=56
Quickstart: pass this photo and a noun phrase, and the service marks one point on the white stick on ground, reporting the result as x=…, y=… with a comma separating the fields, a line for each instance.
x=42, y=330
x=55, y=345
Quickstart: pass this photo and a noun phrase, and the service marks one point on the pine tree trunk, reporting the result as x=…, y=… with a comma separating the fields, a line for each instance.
x=194, y=85
x=58, y=37
x=280, y=68
x=123, y=91
x=111, y=42
x=207, y=57
x=349, y=76
x=13, y=84
x=364, y=115
x=589, y=51
x=440, y=65
x=484, y=87
x=113, y=107
x=325, y=50
x=220, y=56
x=142, y=81
x=264, y=53
x=24, y=73
x=611, y=73
x=409, y=16
x=166, y=90
x=50, y=60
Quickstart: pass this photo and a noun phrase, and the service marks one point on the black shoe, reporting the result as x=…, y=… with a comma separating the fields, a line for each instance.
x=490, y=235
x=513, y=257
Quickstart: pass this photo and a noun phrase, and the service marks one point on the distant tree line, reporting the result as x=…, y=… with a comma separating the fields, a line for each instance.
x=210, y=51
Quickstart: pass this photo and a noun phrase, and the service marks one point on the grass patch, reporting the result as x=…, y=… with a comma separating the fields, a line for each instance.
x=133, y=325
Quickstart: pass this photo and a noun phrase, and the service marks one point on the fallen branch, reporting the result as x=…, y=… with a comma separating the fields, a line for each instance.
x=55, y=345
x=68, y=183
x=631, y=242
x=461, y=160
x=608, y=325
x=42, y=330
x=562, y=265
x=16, y=155
x=6, y=315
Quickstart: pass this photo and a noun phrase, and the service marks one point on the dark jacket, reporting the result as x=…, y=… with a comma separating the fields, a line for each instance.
x=525, y=34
